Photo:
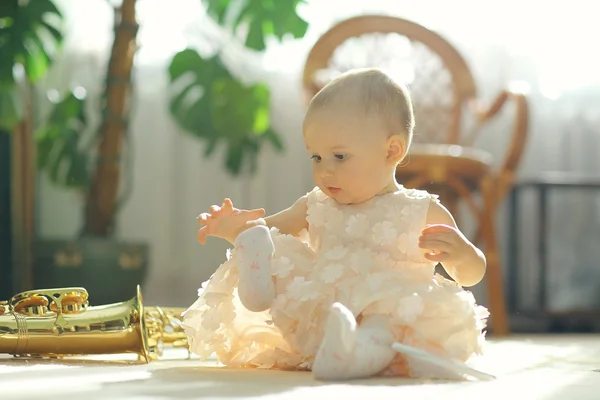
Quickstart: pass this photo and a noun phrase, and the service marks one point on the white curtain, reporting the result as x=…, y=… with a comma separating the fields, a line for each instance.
x=547, y=46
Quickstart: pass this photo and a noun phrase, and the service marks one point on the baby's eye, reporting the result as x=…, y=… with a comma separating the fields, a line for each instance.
x=315, y=157
x=340, y=156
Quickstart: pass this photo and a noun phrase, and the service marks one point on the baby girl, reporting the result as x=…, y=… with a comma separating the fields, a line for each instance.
x=334, y=281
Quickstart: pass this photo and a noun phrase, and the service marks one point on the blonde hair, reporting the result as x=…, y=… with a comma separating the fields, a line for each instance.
x=372, y=92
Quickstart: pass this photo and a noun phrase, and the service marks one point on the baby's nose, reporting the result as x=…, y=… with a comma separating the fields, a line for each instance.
x=327, y=171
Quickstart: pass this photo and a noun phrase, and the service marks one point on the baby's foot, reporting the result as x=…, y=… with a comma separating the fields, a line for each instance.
x=340, y=330
x=340, y=333
x=348, y=351
x=337, y=348
x=254, y=249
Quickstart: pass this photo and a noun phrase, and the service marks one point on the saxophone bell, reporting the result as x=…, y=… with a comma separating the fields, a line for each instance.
x=60, y=322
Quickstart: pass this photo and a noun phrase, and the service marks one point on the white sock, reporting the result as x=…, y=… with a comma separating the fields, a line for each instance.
x=254, y=249
x=351, y=352
x=340, y=331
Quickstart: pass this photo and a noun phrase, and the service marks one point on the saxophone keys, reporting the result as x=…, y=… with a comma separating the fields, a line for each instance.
x=71, y=303
x=32, y=305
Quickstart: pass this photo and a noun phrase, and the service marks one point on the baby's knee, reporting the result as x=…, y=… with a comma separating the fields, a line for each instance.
x=256, y=302
x=256, y=295
x=257, y=237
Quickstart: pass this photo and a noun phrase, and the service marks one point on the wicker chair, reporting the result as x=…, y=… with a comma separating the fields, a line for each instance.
x=449, y=117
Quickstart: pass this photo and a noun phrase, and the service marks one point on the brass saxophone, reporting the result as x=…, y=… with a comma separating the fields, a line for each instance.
x=60, y=322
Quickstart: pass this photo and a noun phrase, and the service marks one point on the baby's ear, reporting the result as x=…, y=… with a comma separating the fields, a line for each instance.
x=396, y=147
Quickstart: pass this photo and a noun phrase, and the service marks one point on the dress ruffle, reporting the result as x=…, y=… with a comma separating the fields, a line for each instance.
x=364, y=256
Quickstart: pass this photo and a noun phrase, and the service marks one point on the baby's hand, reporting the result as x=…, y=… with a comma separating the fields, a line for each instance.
x=226, y=222
x=445, y=244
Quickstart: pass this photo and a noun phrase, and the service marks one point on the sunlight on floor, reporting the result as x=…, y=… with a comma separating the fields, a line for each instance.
x=540, y=367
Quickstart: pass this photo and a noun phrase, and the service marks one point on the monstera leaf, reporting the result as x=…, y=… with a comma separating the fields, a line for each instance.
x=240, y=116
x=59, y=143
x=263, y=18
x=190, y=106
x=29, y=36
x=215, y=107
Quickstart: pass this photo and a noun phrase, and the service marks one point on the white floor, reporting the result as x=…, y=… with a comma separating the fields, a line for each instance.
x=537, y=367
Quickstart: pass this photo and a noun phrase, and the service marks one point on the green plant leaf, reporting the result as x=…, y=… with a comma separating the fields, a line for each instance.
x=238, y=110
x=55, y=33
x=77, y=172
x=36, y=60
x=211, y=145
x=59, y=149
x=218, y=9
x=30, y=36
x=234, y=158
x=241, y=117
x=215, y=107
x=272, y=137
x=190, y=106
x=11, y=109
x=264, y=18
x=256, y=37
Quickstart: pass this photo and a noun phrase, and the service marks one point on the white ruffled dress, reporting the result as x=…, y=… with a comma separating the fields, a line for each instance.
x=365, y=256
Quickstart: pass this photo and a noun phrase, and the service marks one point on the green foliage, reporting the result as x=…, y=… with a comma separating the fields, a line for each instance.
x=214, y=106
x=191, y=106
x=59, y=150
x=11, y=109
x=30, y=36
x=263, y=18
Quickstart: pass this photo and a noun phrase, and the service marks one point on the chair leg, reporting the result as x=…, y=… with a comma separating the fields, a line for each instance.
x=495, y=281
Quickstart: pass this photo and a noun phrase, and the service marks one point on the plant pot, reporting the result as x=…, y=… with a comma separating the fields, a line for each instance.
x=107, y=268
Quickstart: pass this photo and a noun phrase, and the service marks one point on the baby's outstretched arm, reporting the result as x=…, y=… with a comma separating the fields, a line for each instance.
x=249, y=233
x=292, y=220
x=463, y=261
x=227, y=222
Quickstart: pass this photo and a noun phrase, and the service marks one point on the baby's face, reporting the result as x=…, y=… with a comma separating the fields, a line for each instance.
x=348, y=156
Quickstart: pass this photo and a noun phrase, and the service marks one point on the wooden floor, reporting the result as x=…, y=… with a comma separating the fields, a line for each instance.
x=534, y=367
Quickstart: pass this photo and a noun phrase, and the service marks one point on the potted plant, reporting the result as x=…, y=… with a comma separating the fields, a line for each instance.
x=231, y=112
x=108, y=267
x=30, y=37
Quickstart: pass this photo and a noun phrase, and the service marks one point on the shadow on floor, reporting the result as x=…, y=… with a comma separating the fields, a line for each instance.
x=193, y=382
